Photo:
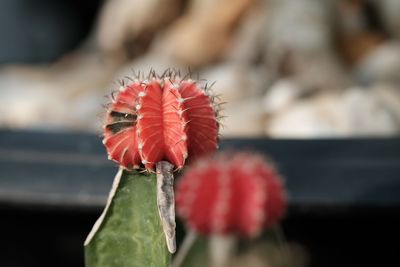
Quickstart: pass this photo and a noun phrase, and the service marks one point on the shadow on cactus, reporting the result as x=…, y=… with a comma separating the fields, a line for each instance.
x=153, y=126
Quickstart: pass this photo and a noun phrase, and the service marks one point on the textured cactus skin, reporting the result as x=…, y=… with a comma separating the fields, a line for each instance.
x=160, y=118
x=131, y=234
x=237, y=193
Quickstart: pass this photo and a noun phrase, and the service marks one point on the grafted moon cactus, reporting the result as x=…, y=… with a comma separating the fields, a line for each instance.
x=160, y=118
x=231, y=194
x=155, y=124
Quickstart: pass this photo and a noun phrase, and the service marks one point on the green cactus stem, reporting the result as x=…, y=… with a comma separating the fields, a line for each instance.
x=129, y=232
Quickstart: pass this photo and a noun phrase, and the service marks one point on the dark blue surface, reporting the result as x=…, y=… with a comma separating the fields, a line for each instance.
x=71, y=169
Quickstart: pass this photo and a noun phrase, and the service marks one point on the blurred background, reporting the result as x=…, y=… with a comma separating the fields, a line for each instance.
x=297, y=69
x=286, y=68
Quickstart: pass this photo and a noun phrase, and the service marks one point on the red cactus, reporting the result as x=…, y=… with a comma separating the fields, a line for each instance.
x=237, y=193
x=160, y=118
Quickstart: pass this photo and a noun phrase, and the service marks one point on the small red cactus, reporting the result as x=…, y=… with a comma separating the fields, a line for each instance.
x=237, y=193
x=161, y=118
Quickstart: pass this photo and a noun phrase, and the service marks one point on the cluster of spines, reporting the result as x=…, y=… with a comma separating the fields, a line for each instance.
x=175, y=77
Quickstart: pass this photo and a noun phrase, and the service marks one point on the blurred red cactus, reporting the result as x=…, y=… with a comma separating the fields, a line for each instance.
x=231, y=193
x=161, y=118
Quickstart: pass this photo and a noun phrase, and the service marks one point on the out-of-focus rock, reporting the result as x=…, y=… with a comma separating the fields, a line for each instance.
x=356, y=36
x=381, y=65
x=243, y=119
x=301, y=120
x=367, y=114
x=67, y=95
x=204, y=32
x=390, y=10
x=40, y=107
x=355, y=47
x=313, y=71
x=280, y=95
x=353, y=112
x=241, y=88
x=299, y=40
x=24, y=105
x=350, y=16
x=234, y=82
x=125, y=24
x=247, y=45
x=297, y=26
x=389, y=96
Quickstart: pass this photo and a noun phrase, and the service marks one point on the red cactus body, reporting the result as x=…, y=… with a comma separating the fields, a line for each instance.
x=237, y=193
x=161, y=118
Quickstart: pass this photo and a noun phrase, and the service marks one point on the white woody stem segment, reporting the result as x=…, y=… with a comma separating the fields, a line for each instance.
x=184, y=249
x=166, y=202
x=221, y=249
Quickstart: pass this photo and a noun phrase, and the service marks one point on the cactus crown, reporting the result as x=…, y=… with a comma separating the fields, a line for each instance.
x=161, y=117
x=231, y=193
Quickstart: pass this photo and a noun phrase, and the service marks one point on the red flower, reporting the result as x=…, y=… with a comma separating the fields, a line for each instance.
x=161, y=118
x=237, y=193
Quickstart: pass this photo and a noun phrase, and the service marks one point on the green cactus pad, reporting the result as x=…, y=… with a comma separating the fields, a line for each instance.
x=130, y=234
